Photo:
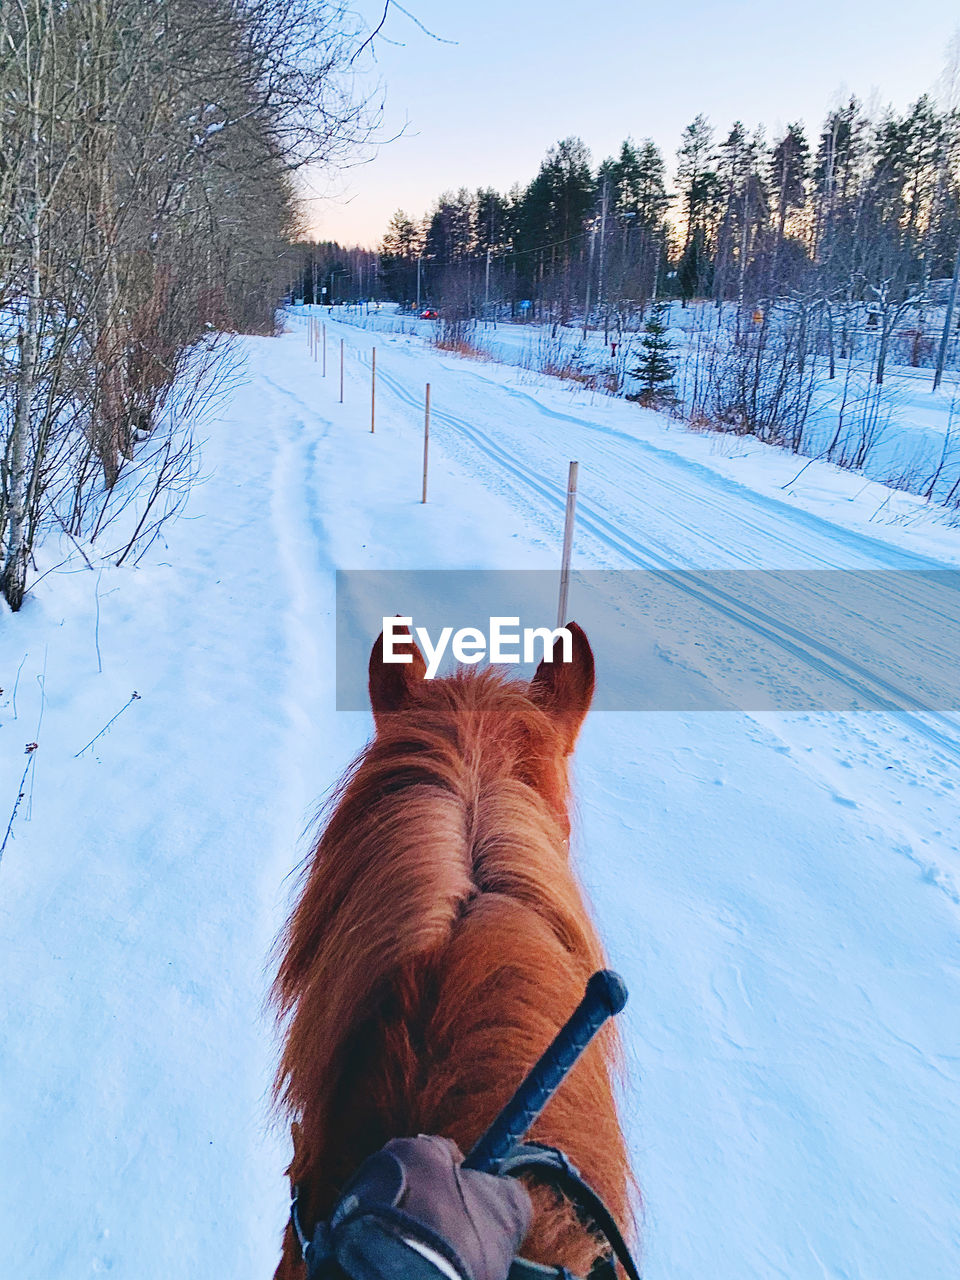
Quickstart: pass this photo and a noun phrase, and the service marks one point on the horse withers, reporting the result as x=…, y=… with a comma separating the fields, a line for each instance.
x=441, y=939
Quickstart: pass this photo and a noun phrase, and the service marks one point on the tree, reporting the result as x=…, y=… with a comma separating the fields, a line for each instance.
x=638, y=183
x=787, y=175
x=449, y=233
x=905, y=165
x=695, y=269
x=837, y=173
x=146, y=210
x=490, y=221
x=735, y=162
x=402, y=244
x=402, y=237
x=697, y=175
x=570, y=186
x=656, y=369
x=552, y=215
x=700, y=192
x=638, y=201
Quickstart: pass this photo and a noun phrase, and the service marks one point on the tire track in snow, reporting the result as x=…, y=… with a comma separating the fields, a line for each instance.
x=712, y=491
x=816, y=654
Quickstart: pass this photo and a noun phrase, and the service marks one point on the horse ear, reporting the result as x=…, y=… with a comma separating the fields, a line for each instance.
x=393, y=685
x=565, y=689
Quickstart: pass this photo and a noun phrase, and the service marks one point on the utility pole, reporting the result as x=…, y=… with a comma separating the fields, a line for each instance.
x=419, y=263
x=601, y=302
x=945, y=336
x=586, y=305
x=743, y=253
x=486, y=290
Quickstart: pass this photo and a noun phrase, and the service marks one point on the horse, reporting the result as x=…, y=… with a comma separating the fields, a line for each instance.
x=441, y=938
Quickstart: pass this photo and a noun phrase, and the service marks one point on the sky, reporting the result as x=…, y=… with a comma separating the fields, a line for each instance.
x=482, y=111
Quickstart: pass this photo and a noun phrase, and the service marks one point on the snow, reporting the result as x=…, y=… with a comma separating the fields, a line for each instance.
x=914, y=434
x=781, y=892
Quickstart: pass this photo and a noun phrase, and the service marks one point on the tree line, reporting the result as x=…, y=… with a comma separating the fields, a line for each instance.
x=146, y=210
x=816, y=261
x=325, y=272
x=866, y=211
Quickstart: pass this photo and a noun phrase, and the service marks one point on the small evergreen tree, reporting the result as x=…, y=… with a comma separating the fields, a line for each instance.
x=656, y=369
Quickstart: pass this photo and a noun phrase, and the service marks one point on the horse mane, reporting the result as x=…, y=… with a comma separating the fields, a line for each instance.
x=439, y=941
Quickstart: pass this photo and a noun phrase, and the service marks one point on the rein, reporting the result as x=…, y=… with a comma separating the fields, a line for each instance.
x=548, y=1165
x=552, y=1166
x=500, y=1152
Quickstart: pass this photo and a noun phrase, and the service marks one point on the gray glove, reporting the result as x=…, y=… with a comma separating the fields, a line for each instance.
x=412, y=1212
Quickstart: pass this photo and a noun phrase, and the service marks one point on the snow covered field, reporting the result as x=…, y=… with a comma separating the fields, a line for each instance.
x=912, y=430
x=782, y=893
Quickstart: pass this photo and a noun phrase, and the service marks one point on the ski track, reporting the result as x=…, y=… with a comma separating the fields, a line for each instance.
x=818, y=656
x=650, y=508
x=598, y=537
x=795, y=1077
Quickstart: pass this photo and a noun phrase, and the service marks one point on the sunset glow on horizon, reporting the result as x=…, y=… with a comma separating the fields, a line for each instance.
x=482, y=111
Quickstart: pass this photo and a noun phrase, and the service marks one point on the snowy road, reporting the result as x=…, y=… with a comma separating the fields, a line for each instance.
x=782, y=893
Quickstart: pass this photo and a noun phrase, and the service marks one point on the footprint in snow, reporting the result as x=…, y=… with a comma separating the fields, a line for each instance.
x=845, y=801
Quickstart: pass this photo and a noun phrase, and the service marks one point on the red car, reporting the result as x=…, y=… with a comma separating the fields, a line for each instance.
x=429, y=314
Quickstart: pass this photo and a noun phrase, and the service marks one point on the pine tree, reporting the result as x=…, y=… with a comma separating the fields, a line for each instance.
x=656, y=369
x=489, y=220
x=449, y=234
x=836, y=177
x=401, y=239
x=637, y=183
x=694, y=270
x=787, y=169
x=697, y=176
x=700, y=193
x=735, y=163
x=558, y=200
x=399, y=248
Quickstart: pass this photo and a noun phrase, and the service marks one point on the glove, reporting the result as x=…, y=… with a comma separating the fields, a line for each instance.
x=412, y=1212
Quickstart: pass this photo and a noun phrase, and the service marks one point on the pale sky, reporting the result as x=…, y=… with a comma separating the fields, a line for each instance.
x=521, y=75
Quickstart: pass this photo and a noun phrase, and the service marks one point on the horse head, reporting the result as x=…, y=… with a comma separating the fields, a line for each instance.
x=441, y=939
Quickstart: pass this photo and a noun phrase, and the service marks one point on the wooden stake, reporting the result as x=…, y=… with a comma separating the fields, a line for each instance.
x=324, y=349
x=373, y=390
x=341, y=371
x=426, y=440
x=567, y=543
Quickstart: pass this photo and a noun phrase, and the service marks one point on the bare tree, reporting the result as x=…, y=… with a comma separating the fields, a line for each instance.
x=147, y=207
